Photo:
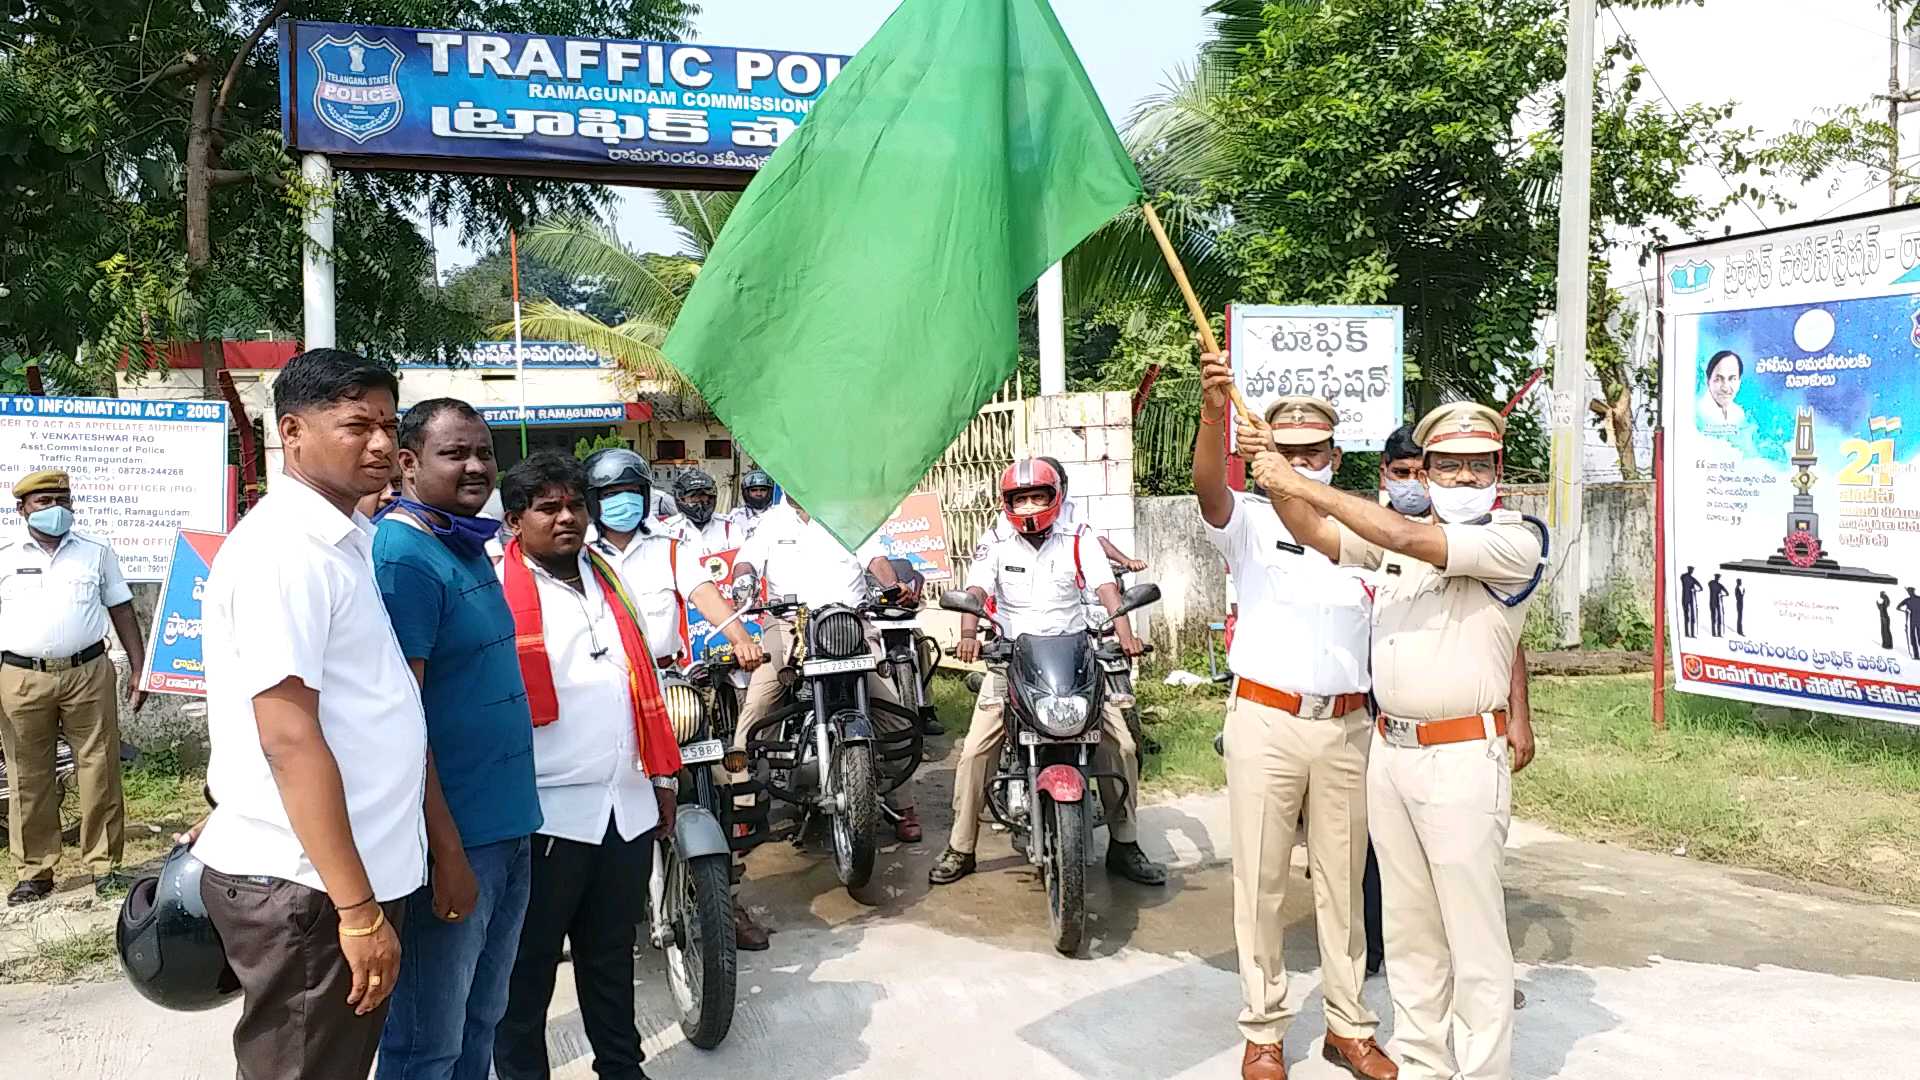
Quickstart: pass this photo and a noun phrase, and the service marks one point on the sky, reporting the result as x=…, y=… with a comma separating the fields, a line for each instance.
x=1780, y=61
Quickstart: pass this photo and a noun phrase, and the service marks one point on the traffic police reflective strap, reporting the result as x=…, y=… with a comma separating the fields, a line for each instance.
x=1511, y=517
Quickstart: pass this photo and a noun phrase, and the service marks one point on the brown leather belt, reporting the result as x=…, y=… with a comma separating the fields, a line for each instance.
x=1419, y=733
x=1309, y=707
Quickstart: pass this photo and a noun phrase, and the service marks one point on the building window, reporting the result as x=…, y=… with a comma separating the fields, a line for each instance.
x=718, y=449
x=670, y=449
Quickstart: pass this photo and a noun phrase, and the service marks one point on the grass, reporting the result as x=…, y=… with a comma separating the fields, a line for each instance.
x=89, y=956
x=159, y=795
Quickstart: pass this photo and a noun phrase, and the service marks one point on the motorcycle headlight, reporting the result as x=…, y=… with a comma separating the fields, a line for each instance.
x=836, y=635
x=1061, y=717
x=684, y=709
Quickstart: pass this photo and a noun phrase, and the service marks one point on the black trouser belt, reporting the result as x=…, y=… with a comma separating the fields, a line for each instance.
x=64, y=664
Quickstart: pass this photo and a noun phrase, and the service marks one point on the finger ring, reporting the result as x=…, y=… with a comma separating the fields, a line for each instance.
x=373, y=980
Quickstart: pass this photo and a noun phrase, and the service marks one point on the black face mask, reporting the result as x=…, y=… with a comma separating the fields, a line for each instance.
x=699, y=512
x=757, y=502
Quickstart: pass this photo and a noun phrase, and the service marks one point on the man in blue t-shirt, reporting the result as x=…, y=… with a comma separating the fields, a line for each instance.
x=450, y=616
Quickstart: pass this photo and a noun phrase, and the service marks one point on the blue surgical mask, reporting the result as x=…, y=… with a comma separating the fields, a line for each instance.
x=463, y=535
x=53, y=521
x=623, y=512
x=1408, y=496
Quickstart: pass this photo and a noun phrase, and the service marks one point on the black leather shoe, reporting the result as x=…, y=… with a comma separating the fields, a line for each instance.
x=30, y=890
x=950, y=867
x=931, y=725
x=1131, y=863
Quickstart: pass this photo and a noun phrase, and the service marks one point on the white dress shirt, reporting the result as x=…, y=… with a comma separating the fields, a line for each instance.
x=1304, y=623
x=53, y=606
x=746, y=519
x=660, y=568
x=803, y=559
x=719, y=533
x=292, y=594
x=587, y=762
x=1039, y=590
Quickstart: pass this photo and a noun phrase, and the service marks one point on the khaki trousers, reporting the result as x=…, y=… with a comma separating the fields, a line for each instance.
x=1278, y=763
x=764, y=693
x=1439, y=817
x=37, y=707
x=982, y=749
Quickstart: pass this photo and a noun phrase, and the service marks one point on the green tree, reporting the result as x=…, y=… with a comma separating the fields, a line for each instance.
x=151, y=199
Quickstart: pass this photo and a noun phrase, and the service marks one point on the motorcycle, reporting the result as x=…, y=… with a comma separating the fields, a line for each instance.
x=689, y=897
x=912, y=654
x=820, y=750
x=1056, y=687
x=1120, y=675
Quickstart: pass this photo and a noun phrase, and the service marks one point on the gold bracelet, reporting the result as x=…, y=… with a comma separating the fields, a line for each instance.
x=379, y=920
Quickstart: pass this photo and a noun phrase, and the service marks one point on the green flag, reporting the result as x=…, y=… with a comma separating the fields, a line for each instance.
x=860, y=305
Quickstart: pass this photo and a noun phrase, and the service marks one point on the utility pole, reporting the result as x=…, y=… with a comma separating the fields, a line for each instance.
x=1570, y=355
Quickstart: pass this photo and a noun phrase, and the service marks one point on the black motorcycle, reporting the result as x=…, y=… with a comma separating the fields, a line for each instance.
x=820, y=750
x=690, y=901
x=912, y=655
x=1056, y=688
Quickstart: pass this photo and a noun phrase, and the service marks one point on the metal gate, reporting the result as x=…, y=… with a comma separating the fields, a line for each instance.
x=967, y=476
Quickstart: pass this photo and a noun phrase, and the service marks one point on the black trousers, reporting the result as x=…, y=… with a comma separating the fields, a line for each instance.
x=592, y=895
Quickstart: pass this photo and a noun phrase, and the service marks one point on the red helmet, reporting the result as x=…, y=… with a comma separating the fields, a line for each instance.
x=1027, y=475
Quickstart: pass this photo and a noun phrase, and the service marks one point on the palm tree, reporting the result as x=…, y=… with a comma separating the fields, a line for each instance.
x=649, y=288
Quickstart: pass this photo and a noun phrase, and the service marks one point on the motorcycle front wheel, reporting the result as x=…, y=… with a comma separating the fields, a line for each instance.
x=1065, y=869
x=703, y=961
x=853, y=827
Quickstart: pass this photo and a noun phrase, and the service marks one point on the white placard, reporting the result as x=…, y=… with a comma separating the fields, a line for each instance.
x=1792, y=363
x=1350, y=356
x=141, y=470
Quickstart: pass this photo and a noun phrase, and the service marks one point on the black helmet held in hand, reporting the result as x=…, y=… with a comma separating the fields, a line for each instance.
x=168, y=946
x=757, y=481
x=695, y=493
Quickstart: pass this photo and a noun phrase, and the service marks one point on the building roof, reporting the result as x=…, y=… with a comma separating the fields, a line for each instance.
x=240, y=355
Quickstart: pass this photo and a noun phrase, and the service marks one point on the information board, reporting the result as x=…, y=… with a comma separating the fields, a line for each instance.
x=538, y=105
x=1792, y=358
x=174, y=660
x=140, y=469
x=1351, y=356
x=917, y=532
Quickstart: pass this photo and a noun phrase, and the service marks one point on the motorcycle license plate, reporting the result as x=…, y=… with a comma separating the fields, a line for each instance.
x=1034, y=738
x=704, y=752
x=835, y=667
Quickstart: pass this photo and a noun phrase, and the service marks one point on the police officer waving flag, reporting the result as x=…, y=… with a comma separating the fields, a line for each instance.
x=1449, y=610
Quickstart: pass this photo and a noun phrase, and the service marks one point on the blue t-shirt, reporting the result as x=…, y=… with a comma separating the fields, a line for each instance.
x=452, y=613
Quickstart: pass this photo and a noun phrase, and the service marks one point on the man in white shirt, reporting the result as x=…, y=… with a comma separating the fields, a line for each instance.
x=1297, y=734
x=795, y=555
x=606, y=766
x=1035, y=581
x=59, y=590
x=319, y=764
x=756, y=498
x=695, y=494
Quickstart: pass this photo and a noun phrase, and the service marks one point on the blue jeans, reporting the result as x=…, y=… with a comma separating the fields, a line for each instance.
x=452, y=988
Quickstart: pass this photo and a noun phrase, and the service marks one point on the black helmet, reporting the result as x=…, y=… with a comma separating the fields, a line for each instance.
x=168, y=946
x=756, y=478
x=695, y=482
x=613, y=466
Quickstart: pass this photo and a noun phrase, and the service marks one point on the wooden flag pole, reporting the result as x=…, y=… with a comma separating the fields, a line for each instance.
x=1207, y=341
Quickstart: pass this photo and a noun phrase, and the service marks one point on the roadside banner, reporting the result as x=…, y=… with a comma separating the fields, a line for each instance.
x=1351, y=356
x=719, y=568
x=1793, y=482
x=141, y=470
x=917, y=532
x=174, y=664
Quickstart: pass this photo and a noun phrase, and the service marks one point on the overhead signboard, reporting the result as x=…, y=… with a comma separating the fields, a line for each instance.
x=1793, y=477
x=1350, y=356
x=545, y=355
x=584, y=108
x=141, y=470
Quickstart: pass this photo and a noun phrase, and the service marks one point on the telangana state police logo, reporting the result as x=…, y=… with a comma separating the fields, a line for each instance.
x=359, y=89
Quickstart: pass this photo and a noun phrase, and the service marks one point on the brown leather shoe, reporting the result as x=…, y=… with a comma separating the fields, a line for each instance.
x=1361, y=1057
x=748, y=935
x=1263, y=1061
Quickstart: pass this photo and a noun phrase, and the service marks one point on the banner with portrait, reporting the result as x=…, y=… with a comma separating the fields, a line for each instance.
x=1792, y=358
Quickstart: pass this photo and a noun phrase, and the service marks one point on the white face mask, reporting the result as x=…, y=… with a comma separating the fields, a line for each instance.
x=1409, y=497
x=1460, y=505
x=1322, y=475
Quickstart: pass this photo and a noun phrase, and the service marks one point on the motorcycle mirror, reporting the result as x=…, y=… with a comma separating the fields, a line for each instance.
x=1138, y=597
x=963, y=601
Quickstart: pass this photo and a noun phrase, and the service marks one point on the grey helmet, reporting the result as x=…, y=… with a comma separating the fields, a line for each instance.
x=611, y=467
x=695, y=482
x=756, y=478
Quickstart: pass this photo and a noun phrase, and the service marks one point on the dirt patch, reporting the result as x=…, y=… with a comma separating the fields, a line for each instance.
x=1589, y=662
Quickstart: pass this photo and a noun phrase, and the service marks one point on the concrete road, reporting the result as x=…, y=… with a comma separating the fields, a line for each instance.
x=1633, y=965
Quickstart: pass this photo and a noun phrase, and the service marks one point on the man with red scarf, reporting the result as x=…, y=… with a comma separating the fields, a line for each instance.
x=606, y=764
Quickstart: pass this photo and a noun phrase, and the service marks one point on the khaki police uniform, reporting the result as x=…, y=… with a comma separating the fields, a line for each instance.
x=1037, y=590
x=57, y=682
x=1297, y=734
x=1439, y=794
